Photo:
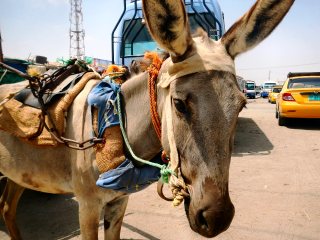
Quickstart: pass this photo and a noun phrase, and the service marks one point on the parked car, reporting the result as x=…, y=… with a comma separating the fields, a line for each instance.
x=266, y=88
x=258, y=91
x=299, y=97
x=274, y=93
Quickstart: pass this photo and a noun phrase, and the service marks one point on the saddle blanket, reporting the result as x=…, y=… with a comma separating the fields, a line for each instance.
x=126, y=177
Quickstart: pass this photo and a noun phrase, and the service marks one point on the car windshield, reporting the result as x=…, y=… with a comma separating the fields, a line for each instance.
x=138, y=40
x=269, y=85
x=250, y=86
x=276, y=90
x=304, y=83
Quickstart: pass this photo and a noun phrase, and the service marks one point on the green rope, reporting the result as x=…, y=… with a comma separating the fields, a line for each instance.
x=165, y=171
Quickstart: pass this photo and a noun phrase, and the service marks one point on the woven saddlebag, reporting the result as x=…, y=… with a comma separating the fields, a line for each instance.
x=19, y=119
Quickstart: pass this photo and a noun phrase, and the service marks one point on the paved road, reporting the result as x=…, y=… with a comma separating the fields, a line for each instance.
x=274, y=185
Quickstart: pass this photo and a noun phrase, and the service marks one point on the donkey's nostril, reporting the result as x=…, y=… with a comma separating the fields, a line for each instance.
x=202, y=221
x=211, y=222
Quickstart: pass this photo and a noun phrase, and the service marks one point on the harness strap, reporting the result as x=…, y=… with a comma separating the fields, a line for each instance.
x=153, y=71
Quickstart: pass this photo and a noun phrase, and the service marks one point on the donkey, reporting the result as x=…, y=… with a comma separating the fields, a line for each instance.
x=198, y=103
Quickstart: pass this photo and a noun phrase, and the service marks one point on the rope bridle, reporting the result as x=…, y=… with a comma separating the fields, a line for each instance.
x=176, y=183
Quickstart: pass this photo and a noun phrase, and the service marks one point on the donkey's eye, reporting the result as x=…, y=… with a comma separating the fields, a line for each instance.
x=180, y=105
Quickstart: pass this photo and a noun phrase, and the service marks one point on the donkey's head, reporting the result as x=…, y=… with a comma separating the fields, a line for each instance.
x=203, y=101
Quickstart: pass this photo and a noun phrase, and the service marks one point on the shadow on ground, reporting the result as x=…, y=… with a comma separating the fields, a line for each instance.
x=250, y=139
x=139, y=231
x=46, y=216
x=305, y=124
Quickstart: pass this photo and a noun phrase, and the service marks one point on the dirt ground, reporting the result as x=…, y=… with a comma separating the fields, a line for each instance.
x=274, y=185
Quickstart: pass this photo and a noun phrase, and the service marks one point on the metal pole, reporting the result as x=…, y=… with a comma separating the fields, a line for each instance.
x=21, y=74
x=1, y=53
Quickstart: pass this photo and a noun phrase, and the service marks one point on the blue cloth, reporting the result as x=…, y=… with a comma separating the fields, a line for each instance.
x=128, y=178
x=104, y=97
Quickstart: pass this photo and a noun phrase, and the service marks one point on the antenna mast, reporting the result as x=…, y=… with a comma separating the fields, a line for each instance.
x=1, y=53
x=77, y=49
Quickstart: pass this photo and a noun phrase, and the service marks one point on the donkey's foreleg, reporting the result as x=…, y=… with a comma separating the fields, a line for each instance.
x=8, y=207
x=113, y=216
x=89, y=216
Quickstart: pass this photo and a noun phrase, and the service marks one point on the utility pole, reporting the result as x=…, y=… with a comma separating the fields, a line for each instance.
x=1, y=52
x=77, y=49
x=269, y=78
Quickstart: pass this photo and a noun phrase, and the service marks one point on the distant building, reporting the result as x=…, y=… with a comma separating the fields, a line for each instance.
x=97, y=63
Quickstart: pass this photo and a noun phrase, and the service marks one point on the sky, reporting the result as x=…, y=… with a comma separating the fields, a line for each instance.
x=41, y=27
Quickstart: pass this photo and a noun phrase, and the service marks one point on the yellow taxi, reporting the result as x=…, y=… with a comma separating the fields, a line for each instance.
x=299, y=97
x=274, y=93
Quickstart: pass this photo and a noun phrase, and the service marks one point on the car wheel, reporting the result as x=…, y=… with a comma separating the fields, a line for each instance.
x=277, y=114
x=281, y=120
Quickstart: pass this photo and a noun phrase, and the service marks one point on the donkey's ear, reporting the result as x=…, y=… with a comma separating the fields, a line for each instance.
x=168, y=25
x=255, y=25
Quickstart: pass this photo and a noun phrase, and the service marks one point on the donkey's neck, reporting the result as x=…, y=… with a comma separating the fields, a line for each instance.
x=140, y=131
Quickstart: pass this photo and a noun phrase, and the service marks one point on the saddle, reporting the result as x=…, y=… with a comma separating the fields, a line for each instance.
x=22, y=115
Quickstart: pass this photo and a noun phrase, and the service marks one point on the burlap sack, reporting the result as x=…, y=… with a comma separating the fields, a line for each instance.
x=20, y=120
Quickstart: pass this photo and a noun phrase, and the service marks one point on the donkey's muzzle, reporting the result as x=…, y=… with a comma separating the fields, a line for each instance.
x=210, y=213
x=211, y=222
